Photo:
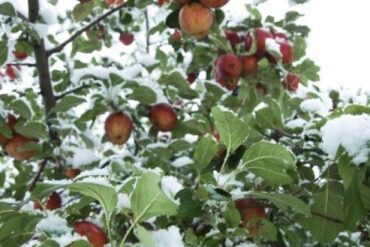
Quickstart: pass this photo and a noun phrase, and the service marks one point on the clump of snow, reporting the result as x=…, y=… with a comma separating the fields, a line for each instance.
x=352, y=132
x=170, y=237
x=170, y=186
x=96, y=180
x=81, y=156
x=296, y=123
x=182, y=161
x=317, y=106
x=272, y=46
x=123, y=201
x=52, y=224
x=93, y=172
x=68, y=238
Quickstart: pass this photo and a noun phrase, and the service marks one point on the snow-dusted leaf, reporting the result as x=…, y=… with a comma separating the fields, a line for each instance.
x=284, y=201
x=144, y=95
x=270, y=117
x=204, y=152
x=67, y=103
x=7, y=9
x=3, y=51
x=233, y=131
x=21, y=108
x=148, y=200
x=269, y=161
x=106, y=195
x=32, y=129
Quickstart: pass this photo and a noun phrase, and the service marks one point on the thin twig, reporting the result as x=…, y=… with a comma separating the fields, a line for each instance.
x=38, y=175
x=85, y=28
x=22, y=16
x=147, y=31
x=23, y=64
x=58, y=97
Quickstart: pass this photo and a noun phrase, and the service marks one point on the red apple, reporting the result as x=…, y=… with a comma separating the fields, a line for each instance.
x=280, y=36
x=261, y=36
x=214, y=3
x=94, y=234
x=163, y=117
x=113, y=2
x=249, y=65
x=11, y=121
x=233, y=37
x=53, y=202
x=118, y=128
x=176, y=36
x=161, y=2
x=191, y=77
x=228, y=83
x=17, y=142
x=195, y=19
x=291, y=82
x=229, y=66
x=251, y=212
x=71, y=173
x=10, y=72
x=20, y=55
x=126, y=38
x=286, y=52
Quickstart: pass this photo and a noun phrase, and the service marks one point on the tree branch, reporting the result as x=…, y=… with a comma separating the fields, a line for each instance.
x=33, y=10
x=21, y=16
x=147, y=31
x=58, y=97
x=79, y=32
x=22, y=64
x=38, y=175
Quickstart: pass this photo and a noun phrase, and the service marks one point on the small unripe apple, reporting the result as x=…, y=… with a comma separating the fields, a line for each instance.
x=17, y=142
x=233, y=37
x=214, y=3
x=229, y=66
x=286, y=52
x=176, y=36
x=161, y=2
x=163, y=117
x=11, y=121
x=20, y=55
x=118, y=128
x=53, y=202
x=71, y=173
x=191, y=77
x=94, y=234
x=251, y=211
x=126, y=38
x=113, y=2
x=195, y=19
x=291, y=82
x=261, y=36
x=10, y=72
x=228, y=83
x=249, y=65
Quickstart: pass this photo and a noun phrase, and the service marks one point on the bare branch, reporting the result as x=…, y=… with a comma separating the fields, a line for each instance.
x=58, y=97
x=147, y=31
x=22, y=64
x=38, y=175
x=82, y=30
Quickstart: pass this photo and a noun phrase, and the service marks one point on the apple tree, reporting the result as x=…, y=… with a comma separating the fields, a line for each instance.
x=174, y=123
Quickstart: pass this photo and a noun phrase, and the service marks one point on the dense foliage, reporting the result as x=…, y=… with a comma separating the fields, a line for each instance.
x=153, y=123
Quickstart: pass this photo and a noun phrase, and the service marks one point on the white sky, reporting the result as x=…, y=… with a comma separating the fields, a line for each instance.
x=339, y=41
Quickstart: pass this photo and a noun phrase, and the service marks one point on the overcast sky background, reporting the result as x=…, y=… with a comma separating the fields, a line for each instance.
x=339, y=41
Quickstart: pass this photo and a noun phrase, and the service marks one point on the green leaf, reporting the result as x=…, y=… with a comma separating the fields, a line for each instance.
x=49, y=243
x=80, y=243
x=43, y=190
x=145, y=95
x=82, y=10
x=269, y=161
x=268, y=230
x=32, y=130
x=299, y=47
x=232, y=216
x=270, y=117
x=4, y=129
x=68, y=102
x=172, y=20
x=190, y=207
x=176, y=79
x=308, y=70
x=3, y=51
x=7, y=9
x=233, y=131
x=356, y=109
x=284, y=201
x=106, y=196
x=145, y=237
x=327, y=215
x=21, y=108
x=147, y=200
x=205, y=149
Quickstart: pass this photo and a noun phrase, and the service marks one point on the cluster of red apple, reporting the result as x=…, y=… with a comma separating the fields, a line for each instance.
x=196, y=17
x=11, y=70
x=94, y=234
x=118, y=126
x=16, y=142
x=229, y=67
x=251, y=212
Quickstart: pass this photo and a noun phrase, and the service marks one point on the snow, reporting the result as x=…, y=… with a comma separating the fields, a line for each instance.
x=352, y=132
x=96, y=180
x=81, y=156
x=315, y=106
x=272, y=46
x=123, y=201
x=296, y=123
x=68, y=238
x=170, y=237
x=93, y=172
x=182, y=161
x=170, y=186
x=52, y=224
